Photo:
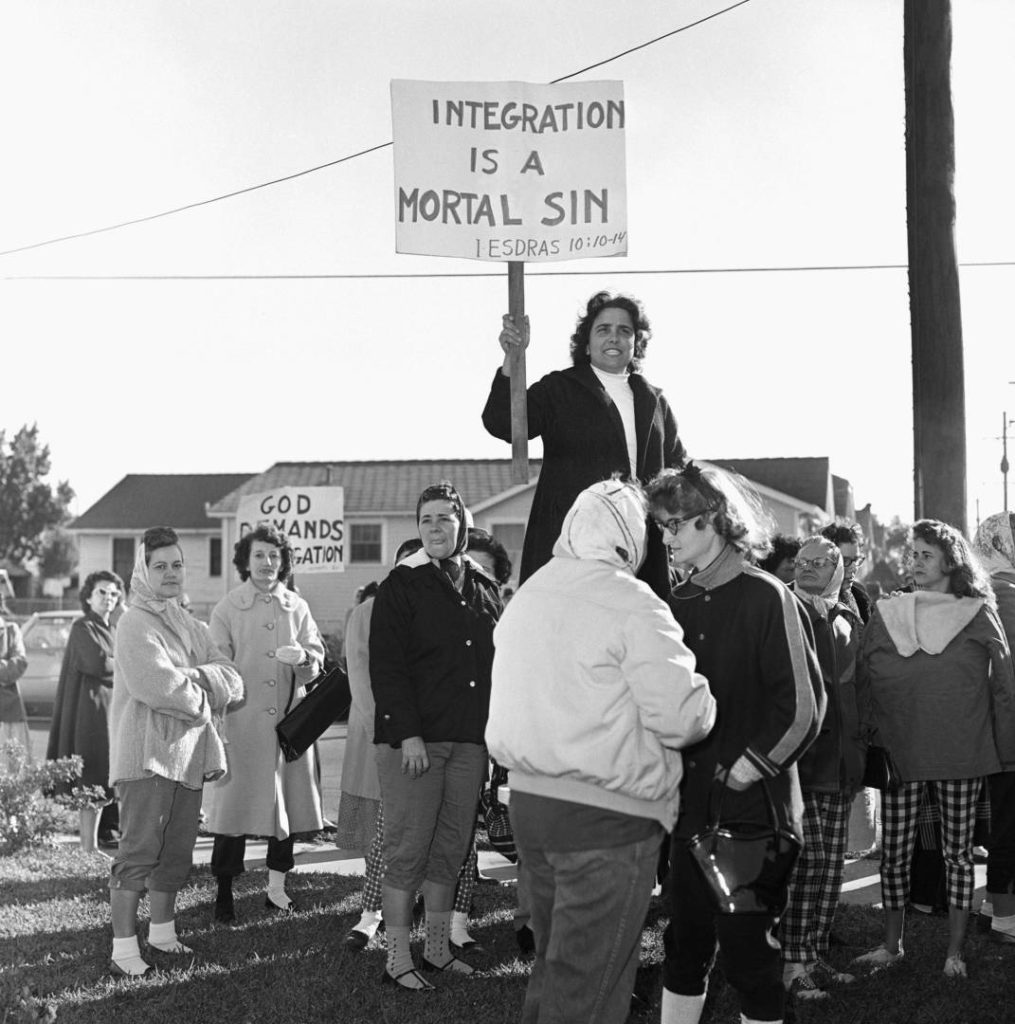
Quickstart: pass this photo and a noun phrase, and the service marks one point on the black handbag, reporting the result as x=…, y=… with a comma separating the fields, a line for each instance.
x=879, y=772
x=328, y=696
x=746, y=865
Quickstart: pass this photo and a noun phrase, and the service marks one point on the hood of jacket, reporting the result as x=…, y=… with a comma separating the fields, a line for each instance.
x=606, y=523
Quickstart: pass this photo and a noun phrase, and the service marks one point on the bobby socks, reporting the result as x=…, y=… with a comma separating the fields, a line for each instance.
x=163, y=936
x=276, y=888
x=678, y=1009
x=127, y=956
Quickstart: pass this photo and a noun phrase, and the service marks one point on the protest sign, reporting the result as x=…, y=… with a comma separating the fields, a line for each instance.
x=312, y=519
x=509, y=171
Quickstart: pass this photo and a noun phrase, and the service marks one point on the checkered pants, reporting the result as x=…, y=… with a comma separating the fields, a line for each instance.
x=376, y=869
x=900, y=812
x=817, y=878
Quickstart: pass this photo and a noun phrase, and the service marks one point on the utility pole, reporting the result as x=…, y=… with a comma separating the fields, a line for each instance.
x=939, y=424
x=1004, y=458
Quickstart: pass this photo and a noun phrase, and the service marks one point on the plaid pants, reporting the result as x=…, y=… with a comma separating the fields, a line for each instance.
x=817, y=878
x=376, y=868
x=900, y=812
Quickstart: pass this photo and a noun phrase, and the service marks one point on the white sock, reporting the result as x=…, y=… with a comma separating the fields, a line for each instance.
x=460, y=928
x=127, y=956
x=368, y=923
x=678, y=1009
x=163, y=936
x=276, y=888
x=1003, y=924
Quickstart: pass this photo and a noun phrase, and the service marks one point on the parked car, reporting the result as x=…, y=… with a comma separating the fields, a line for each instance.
x=46, y=635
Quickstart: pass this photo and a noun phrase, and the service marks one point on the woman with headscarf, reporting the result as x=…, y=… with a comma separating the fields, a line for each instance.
x=936, y=690
x=431, y=650
x=754, y=646
x=171, y=685
x=995, y=544
x=831, y=773
x=268, y=631
x=594, y=695
x=81, y=710
x=597, y=418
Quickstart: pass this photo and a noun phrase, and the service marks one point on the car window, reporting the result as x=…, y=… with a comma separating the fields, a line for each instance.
x=46, y=636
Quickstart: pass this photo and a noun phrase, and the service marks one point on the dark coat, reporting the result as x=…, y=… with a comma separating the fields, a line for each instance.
x=583, y=443
x=431, y=653
x=835, y=761
x=83, y=696
x=753, y=643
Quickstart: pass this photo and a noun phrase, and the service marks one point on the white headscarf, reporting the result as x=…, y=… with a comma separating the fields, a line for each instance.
x=824, y=602
x=168, y=609
x=606, y=523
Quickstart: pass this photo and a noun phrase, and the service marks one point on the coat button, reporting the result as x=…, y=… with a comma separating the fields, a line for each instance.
x=468, y=643
x=267, y=599
x=271, y=654
x=701, y=636
x=270, y=682
x=463, y=604
x=472, y=682
x=707, y=597
x=270, y=625
x=691, y=764
x=271, y=711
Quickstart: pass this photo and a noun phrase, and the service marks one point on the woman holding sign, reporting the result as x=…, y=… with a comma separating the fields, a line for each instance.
x=597, y=418
x=269, y=632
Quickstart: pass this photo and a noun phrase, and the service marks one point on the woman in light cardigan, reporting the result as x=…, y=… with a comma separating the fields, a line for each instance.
x=171, y=686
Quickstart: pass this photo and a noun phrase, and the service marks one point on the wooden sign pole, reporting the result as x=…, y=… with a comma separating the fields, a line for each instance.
x=519, y=398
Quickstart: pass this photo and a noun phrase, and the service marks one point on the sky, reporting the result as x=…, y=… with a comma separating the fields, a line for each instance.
x=770, y=136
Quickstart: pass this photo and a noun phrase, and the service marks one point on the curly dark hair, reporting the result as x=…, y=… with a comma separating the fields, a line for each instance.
x=783, y=546
x=159, y=537
x=268, y=535
x=966, y=577
x=595, y=306
x=92, y=580
x=844, y=532
x=485, y=542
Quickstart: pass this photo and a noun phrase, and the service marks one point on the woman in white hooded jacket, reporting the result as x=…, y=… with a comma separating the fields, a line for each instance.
x=594, y=693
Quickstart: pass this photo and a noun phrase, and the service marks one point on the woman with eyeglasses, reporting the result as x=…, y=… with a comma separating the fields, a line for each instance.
x=936, y=690
x=755, y=648
x=597, y=418
x=831, y=772
x=848, y=538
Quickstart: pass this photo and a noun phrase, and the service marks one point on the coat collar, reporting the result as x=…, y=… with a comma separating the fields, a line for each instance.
x=244, y=596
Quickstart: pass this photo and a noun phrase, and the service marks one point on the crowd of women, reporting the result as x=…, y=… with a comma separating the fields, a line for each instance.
x=648, y=680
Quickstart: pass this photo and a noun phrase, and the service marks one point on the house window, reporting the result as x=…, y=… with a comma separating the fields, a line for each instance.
x=364, y=542
x=214, y=556
x=511, y=535
x=123, y=558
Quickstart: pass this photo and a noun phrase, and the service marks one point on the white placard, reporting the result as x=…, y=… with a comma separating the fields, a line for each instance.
x=312, y=519
x=509, y=170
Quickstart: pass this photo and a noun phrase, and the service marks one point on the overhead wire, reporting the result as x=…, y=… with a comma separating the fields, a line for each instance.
x=333, y=163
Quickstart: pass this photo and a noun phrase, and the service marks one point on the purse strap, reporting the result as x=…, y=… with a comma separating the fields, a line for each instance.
x=773, y=816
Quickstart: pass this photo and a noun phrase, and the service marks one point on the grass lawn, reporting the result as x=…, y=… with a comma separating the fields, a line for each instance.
x=55, y=943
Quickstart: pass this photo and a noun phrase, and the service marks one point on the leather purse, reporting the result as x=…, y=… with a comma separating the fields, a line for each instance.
x=879, y=772
x=746, y=866
x=328, y=697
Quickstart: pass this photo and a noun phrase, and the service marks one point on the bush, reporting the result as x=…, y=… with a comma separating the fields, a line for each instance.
x=27, y=814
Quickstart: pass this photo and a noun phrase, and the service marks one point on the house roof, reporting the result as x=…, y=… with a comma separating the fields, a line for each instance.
x=383, y=486
x=141, y=500
x=805, y=478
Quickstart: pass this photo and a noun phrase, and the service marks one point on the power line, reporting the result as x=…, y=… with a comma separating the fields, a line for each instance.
x=332, y=163
x=529, y=272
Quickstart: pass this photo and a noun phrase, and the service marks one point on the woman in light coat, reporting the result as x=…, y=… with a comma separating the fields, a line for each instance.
x=269, y=631
x=171, y=686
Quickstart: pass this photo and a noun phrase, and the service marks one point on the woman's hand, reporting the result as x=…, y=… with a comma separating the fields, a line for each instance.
x=414, y=757
x=511, y=337
x=740, y=776
x=290, y=654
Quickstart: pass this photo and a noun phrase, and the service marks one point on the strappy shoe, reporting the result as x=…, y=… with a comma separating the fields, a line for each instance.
x=395, y=979
x=453, y=966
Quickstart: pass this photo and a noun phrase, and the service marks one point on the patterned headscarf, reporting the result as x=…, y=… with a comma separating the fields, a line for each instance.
x=445, y=491
x=995, y=543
